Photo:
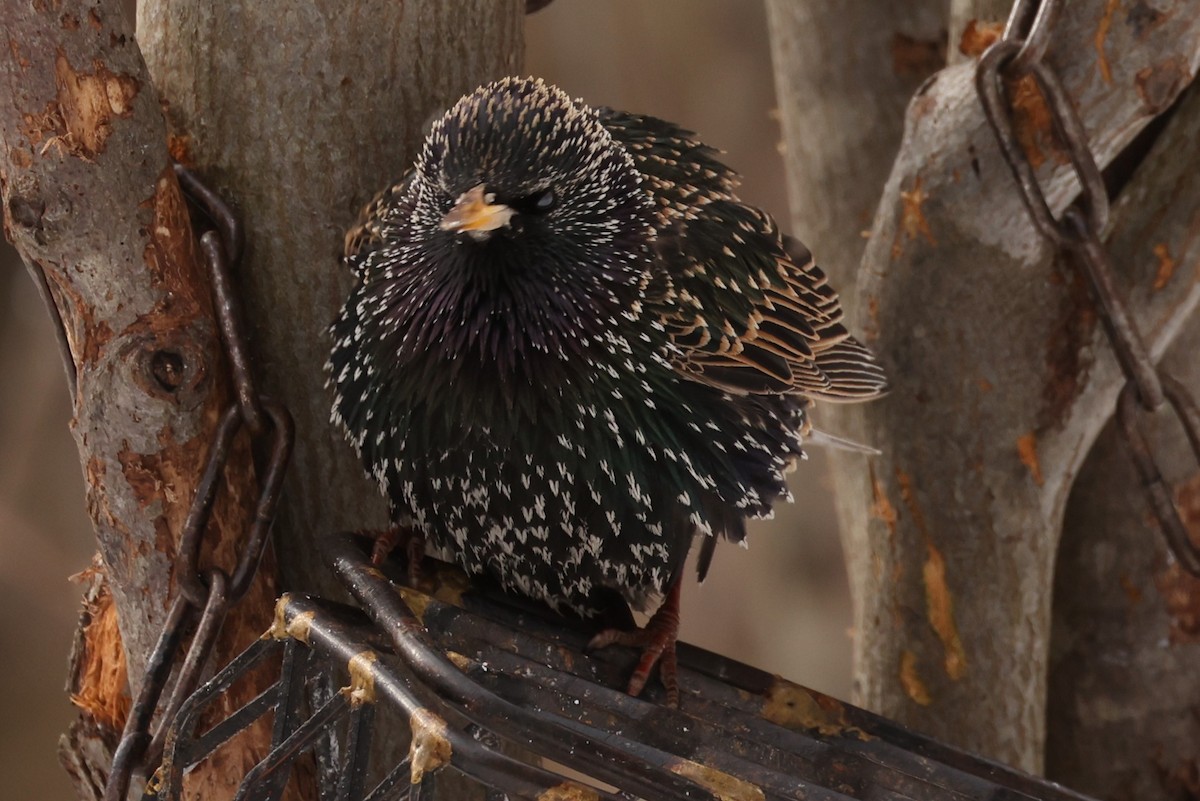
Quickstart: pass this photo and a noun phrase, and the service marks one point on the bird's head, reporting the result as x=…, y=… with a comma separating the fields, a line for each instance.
x=518, y=166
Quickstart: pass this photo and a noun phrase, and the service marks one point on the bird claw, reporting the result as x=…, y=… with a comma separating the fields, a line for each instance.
x=386, y=541
x=657, y=641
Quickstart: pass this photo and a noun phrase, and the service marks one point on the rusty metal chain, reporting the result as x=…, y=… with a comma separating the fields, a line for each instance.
x=1019, y=53
x=206, y=595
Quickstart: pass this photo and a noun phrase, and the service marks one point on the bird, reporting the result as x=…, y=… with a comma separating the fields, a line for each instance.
x=570, y=352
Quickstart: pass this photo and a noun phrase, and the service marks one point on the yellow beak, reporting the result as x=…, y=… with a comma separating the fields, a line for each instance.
x=476, y=213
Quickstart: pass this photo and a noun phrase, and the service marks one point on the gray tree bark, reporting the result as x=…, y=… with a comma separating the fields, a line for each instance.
x=1002, y=379
x=92, y=204
x=298, y=119
x=1123, y=683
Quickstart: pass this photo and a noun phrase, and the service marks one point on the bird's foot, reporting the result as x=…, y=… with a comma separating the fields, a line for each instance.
x=657, y=641
x=388, y=539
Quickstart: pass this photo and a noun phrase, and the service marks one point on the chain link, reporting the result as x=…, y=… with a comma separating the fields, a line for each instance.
x=1019, y=53
x=205, y=597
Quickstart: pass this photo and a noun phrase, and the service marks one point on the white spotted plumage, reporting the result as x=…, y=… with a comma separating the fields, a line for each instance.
x=567, y=401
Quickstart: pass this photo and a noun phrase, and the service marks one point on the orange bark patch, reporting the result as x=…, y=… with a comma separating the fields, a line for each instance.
x=1158, y=85
x=979, y=36
x=1180, y=592
x=1101, y=36
x=912, y=220
x=1166, y=266
x=172, y=256
x=910, y=680
x=15, y=47
x=917, y=57
x=102, y=690
x=1132, y=591
x=1031, y=122
x=939, y=606
x=939, y=603
x=88, y=102
x=1027, y=450
x=910, y=500
x=1179, y=589
x=142, y=474
x=882, y=508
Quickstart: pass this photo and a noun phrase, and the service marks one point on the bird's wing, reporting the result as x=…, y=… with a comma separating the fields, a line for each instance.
x=749, y=309
x=367, y=232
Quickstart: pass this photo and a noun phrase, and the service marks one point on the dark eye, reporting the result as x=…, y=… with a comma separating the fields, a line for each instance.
x=545, y=201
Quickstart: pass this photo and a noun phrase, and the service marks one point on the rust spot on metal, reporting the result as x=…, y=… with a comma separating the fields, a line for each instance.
x=917, y=58
x=101, y=688
x=361, y=667
x=978, y=36
x=88, y=102
x=1159, y=85
x=1027, y=450
x=569, y=791
x=795, y=707
x=69, y=21
x=984, y=385
x=430, y=747
x=940, y=608
x=1166, y=266
x=722, y=785
x=911, y=681
x=1101, y=35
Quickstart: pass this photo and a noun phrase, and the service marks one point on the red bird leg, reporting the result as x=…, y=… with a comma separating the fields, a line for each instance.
x=414, y=548
x=657, y=641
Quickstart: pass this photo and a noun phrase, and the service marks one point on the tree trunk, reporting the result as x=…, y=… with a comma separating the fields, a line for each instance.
x=1001, y=381
x=299, y=135
x=92, y=204
x=1123, y=684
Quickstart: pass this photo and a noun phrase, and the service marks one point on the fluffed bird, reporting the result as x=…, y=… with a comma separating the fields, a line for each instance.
x=571, y=351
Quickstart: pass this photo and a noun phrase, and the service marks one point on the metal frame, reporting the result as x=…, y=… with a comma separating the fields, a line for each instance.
x=473, y=670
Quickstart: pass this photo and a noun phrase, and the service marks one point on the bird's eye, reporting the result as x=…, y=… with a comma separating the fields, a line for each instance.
x=545, y=201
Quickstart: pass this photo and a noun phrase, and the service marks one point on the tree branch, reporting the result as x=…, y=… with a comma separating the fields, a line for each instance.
x=1003, y=381
x=1121, y=720
x=91, y=203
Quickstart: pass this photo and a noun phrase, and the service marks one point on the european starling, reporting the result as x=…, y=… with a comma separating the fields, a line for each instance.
x=571, y=350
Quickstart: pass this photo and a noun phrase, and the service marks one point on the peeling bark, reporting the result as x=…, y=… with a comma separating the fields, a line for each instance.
x=1002, y=380
x=91, y=203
